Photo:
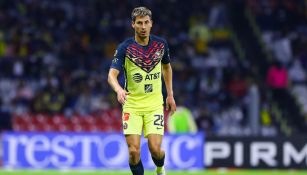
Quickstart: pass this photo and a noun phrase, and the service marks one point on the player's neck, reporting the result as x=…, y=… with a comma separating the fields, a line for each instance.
x=142, y=41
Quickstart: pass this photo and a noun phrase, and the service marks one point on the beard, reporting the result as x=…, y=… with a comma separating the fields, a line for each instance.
x=141, y=35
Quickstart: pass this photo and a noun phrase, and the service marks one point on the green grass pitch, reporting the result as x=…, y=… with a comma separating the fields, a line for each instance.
x=205, y=172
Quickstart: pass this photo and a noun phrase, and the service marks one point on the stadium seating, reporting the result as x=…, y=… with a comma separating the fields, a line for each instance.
x=103, y=121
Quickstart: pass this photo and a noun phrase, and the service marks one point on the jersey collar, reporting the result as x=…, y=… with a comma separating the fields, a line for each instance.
x=150, y=40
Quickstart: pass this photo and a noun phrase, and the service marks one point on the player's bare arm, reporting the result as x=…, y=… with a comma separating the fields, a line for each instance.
x=168, y=76
x=113, y=81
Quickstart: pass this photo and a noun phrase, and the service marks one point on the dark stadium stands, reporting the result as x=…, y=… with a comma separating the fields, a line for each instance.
x=54, y=59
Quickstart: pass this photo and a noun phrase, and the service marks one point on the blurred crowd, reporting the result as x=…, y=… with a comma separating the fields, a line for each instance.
x=283, y=26
x=55, y=56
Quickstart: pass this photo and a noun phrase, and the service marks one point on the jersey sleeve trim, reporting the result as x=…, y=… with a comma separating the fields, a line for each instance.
x=166, y=57
x=119, y=57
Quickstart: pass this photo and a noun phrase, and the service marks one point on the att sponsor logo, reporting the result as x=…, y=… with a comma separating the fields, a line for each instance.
x=152, y=76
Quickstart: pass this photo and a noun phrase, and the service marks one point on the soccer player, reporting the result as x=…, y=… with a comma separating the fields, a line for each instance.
x=144, y=59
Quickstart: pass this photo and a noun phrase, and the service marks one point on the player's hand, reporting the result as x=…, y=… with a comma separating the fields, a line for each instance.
x=170, y=104
x=122, y=96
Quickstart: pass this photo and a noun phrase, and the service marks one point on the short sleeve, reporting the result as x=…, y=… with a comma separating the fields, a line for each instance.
x=166, y=58
x=119, y=57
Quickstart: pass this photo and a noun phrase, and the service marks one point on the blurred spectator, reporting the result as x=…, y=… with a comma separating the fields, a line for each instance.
x=296, y=72
x=277, y=76
x=237, y=86
x=5, y=119
x=217, y=15
x=282, y=48
x=182, y=121
x=200, y=34
x=205, y=122
x=24, y=95
x=253, y=106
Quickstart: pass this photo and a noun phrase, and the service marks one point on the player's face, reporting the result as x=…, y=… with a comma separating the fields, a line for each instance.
x=142, y=26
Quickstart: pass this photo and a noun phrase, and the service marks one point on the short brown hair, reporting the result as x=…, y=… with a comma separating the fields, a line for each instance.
x=140, y=11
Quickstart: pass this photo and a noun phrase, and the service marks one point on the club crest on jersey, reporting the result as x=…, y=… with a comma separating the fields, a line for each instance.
x=115, y=60
x=158, y=54
x=148, y=88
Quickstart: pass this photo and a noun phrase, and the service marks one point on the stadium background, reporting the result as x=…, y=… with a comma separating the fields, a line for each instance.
x=239, y=67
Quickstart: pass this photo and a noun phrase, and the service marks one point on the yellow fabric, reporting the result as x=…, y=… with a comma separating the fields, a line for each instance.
x=151, y=121
x=145, y=88
x=2, y=48
x=265, y=118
